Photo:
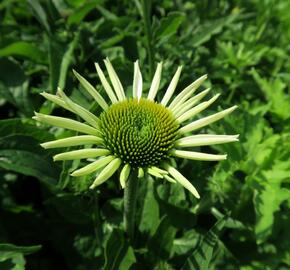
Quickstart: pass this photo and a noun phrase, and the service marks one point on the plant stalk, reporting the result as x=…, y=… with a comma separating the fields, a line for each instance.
x=130, y=200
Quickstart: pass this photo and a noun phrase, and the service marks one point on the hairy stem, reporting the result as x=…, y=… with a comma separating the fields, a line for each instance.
x=130, y=199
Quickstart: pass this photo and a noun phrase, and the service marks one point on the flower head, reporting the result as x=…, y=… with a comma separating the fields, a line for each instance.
x=136, y=133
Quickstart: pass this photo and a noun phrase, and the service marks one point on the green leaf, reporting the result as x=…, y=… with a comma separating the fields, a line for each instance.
x=40, y=14
x=150, y=211
x=23, y=154
x=80, y=13
x=119, y=255
x=161, y=243
x=202, y=256
x=15, y=254
x=24, y=49
x=268, y=196
x=210, y=28
x=169, y=25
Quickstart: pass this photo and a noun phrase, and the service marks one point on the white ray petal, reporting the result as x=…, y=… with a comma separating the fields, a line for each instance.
x=169, y=179
x=137, y=82
x=140, y=173
x=94, y=166
x=189, y=103
x=115, y=80
x=206, y=120
x=107, y=172
x=125, y=172
x=79, y=110
x=82, y=153
x=187, y=92
x=106, y=84
x=154, y=173
x=182, y=180
x=72, y=141
x=155, y=82
x=205, y=139
x=197, y=155
x=65, y=123
x=197, y=109
x=172, y=86
x=57, y=100
x=92, y=91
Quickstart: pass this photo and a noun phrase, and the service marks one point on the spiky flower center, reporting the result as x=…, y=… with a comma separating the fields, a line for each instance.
x=140, y=133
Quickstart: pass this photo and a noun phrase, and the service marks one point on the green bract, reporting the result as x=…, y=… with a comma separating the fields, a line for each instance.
x=139, y=133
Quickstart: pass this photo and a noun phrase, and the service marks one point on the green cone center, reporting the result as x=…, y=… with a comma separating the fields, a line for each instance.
x=140, y=133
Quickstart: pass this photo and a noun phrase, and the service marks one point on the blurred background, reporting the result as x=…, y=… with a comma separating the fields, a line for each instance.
x=51, y=221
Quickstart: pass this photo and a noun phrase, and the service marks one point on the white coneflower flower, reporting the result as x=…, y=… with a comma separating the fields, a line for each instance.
x=136, y=133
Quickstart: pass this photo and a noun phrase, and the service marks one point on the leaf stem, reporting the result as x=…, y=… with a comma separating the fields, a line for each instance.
x=130, y=199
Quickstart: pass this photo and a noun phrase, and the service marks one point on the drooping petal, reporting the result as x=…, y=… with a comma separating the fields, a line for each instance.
x=82, y=153
x=205, y=139
x=65, y=123
x=154, y=173
x=106, y=84
x=94, y=166
x=140, y=173
x=79, y=110
x=169, y=179
x=137, y=82
x=107, y=172
x=189, y=103
x=92, y=91
x=186, y=93
x=197, y=109
x=182, y=180
x=72, y=141
x=206, y=120
x=125, y=172
x=155, y=82
x=197, y=155
x=115, y=80
x=172, y=86
x=57, y=100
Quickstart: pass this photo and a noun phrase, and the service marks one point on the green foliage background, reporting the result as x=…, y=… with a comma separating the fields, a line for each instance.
x=51, y=221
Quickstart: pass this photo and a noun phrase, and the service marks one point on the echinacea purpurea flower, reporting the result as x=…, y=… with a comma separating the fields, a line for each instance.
x=136, y=133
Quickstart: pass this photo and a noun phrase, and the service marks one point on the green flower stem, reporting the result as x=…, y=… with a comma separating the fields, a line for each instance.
x=130, y=200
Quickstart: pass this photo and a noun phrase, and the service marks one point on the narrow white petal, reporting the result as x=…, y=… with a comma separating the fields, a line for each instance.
x=161, y=171
x=155, y=82
x=107, y=172
x=137, y=82
x=115, y=80
x=206, y=120
x=79, y=110
x=172, y=86
x=72, y=141
x=82, y=153
x=187, y=92
x=125, y=172
x=197, y=109
x=154, y=173
x=182, y=180
x=197, y=155
x=140, y=173
x=57, y=100
x=106, y=84
x=169, y=179
x=189, y=103
x=65, y=123
x=94, y=166
x=205, y=139
x=92, y=91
